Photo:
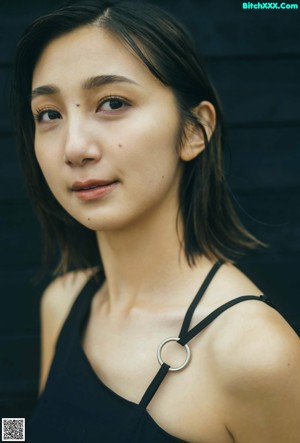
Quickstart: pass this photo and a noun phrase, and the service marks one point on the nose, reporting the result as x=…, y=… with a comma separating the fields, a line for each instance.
x=81, y=146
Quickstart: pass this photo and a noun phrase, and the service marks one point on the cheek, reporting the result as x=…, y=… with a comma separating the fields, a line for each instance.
x=159, y=153
x=45, y=153
x=149, y=164
x=150, y=136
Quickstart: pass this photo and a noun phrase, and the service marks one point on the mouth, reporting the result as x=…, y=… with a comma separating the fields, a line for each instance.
x=90, y=184
x=92, y=189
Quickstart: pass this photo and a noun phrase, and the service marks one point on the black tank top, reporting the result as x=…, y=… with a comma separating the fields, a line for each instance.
x=76, y=407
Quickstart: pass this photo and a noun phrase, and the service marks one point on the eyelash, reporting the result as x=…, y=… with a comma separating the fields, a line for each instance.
x=113, y=97
x=38, y=115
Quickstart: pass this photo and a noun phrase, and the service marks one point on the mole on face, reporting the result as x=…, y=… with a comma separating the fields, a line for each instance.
x=77, y=105
x=120, y=146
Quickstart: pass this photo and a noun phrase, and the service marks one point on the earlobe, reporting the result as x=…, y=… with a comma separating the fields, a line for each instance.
x=194, y=143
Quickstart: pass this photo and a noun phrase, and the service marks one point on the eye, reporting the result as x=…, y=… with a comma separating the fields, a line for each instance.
x=46, y=115
x=112, y=104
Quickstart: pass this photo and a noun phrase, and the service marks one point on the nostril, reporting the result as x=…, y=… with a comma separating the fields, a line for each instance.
x=87, y=160
x=80, y=154
x=67, y=161
x=80, y=162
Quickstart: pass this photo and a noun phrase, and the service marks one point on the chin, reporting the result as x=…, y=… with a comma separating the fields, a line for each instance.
x=103, y=224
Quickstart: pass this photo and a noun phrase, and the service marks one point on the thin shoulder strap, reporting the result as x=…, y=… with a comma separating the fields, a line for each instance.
x=158, y=379
x=189, y=313
x=183, y=340
x=185, y=336
x=154, y=385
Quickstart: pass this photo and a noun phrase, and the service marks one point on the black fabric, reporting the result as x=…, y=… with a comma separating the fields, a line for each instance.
x=77, y=407
x=213, y=315
x=189, y=313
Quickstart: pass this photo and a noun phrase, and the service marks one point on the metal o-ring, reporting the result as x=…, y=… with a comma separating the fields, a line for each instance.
x=187, y=349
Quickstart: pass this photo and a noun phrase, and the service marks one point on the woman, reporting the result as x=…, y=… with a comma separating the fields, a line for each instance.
x=122, y=150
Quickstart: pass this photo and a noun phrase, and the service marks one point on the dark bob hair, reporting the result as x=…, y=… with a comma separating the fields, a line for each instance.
x=211, y=226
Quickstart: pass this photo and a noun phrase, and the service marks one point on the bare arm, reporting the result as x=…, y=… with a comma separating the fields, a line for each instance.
x=265, y=400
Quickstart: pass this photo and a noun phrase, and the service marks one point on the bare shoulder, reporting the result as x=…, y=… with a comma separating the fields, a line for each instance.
x=256, y=342
x=55, y=305
x=230, y=282
x=261, y=377
x=60, y=295
x=258, y=334
x=58, y=299
x=256, y=359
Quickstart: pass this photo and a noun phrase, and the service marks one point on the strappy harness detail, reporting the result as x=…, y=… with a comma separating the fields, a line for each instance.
x=76, y=405
x=185, y=335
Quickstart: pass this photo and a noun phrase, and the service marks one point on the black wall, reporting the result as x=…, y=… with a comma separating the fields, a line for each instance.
x=254, y=60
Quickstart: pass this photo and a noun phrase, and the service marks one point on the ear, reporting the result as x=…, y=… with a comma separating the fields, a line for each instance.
x=194, y=142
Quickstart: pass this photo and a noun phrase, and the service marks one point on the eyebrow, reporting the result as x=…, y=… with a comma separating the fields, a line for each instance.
x=88, y=84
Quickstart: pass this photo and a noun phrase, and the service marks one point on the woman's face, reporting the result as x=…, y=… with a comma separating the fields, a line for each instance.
x=106, y=131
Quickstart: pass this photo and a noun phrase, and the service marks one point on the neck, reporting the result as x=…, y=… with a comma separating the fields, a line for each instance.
x=142, y=262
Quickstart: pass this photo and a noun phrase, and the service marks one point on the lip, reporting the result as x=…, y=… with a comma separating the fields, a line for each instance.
x=92, y=189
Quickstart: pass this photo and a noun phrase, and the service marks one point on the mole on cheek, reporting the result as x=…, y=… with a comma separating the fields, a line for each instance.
x=120, y=146
x=78, y=105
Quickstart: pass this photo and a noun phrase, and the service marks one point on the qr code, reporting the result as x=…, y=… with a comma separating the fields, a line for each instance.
x=13, y=429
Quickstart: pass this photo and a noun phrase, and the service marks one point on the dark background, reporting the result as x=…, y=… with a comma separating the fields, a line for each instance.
x=254, y=60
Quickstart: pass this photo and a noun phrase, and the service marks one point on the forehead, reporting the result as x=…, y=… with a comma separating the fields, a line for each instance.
x=87, y=52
